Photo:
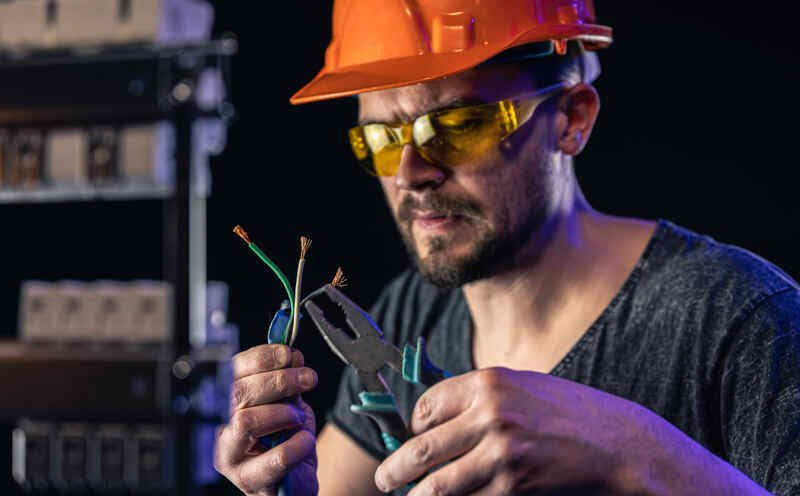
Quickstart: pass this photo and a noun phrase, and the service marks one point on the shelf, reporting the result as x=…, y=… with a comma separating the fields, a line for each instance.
x=130, y=83
x=113, y=53
x=53, y=194
x=90, y=381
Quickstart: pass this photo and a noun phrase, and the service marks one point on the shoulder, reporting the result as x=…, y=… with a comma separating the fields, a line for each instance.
x=692, y=273
x=409, y=306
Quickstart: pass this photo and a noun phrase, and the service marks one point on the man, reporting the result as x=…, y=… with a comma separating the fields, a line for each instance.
x=593, y=354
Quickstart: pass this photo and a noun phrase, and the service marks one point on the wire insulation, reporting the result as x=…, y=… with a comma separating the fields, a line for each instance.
x=277, y=271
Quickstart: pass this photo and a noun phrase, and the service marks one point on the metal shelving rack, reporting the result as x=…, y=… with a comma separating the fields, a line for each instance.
x=127, y=85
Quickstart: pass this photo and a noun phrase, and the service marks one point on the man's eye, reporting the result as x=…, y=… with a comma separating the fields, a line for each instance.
x=459, y=125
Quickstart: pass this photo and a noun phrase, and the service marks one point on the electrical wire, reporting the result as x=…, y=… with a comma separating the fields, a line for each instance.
x=239, y=230
x=305, y=244
x=339, y=279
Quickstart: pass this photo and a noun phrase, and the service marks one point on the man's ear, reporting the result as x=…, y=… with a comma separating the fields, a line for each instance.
x=577, y=113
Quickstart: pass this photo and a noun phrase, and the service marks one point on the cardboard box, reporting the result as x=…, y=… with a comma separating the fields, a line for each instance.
x=65, y=23
x=146, y=152
x=65, y=156
x=169, y=22
x=22, y=23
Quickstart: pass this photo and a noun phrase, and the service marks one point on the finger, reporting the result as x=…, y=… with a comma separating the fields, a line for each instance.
x=269, y=387
x=247, y=425
x=421, y=453
x=471, y=472
x=298, y=360
x=261, y=358
x=268, y=468
x=311, y=420
x=445, y=400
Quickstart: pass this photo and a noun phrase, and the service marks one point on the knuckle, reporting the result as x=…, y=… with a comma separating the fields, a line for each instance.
x=490, y=379
x=506, y=483
x=242, y=423
x=492, y=417
x=421, y=451
x=277, y=356
x=436, y=487
x=279, y=462
x=280, y=383
x=238, y=362
x=423, y=411
x=503, y=450
x=240, y=394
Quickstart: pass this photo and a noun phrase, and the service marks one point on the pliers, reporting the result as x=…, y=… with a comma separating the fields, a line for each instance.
x=368, y=353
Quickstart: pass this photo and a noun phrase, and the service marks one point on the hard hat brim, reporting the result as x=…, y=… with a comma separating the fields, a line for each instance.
x=351, y=80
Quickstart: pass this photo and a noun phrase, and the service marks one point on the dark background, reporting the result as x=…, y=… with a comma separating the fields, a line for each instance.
x=698, y=125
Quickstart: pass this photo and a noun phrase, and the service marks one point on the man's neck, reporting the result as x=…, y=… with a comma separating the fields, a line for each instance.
x=531, y=316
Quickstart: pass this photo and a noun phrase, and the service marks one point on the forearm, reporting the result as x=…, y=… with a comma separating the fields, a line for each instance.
x=680, y=465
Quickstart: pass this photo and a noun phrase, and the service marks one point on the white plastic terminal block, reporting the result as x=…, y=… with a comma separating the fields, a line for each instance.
x=39, y=310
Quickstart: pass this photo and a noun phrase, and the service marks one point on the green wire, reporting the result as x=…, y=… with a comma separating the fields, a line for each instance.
x=286, y=285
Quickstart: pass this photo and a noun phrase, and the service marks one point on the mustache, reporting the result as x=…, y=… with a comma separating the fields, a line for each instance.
x=435, y=202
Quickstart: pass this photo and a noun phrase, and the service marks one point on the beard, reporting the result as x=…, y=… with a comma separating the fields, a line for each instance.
x=493, y=249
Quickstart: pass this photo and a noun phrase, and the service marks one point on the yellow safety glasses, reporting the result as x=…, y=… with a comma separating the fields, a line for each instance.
x=450, y=137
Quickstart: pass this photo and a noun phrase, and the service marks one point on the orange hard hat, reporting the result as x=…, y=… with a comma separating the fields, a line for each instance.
x=379, y=44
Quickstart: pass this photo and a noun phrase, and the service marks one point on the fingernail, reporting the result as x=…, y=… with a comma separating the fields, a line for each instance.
x=380, y=482
x=308, y=378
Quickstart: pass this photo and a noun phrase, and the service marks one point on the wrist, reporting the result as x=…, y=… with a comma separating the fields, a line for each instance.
x=666, y=461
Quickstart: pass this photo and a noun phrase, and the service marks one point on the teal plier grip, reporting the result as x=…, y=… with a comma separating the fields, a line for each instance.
x=381, y=407
x=418, y=368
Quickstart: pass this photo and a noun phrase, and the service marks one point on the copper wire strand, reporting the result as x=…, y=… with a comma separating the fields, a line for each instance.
x=339, y=279
x=239, y=230
x=305, y=244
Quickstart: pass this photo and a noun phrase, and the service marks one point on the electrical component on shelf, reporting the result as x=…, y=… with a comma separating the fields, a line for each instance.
x=149, y=462
x=71, y=450
x=31, y=454
x=145, y=152
x=74, y=457
x=65, y=155
x=40, y=304
x=101, y=161
x=97, y=158
x=106, y=311
x=78, y=310
x=25, y=159
x=66, y=23
x=152, y=312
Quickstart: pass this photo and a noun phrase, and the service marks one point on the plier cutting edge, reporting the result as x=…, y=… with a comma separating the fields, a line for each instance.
x=368, y=353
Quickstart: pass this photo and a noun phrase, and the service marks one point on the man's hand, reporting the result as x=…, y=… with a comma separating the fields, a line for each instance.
x=508, y=432
x=260, y=384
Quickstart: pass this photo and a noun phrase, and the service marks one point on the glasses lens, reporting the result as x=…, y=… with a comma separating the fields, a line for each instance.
x=378, y=147
x=449, y=137
x=464, y=134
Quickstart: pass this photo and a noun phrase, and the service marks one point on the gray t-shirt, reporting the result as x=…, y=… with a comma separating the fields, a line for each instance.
x=704, y=334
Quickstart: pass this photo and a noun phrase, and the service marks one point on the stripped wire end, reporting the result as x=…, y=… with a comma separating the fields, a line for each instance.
x=339, y=279
x=239, y=230
x=305, y=244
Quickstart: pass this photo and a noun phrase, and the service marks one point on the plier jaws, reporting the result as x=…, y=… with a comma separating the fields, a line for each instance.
x=368, y=352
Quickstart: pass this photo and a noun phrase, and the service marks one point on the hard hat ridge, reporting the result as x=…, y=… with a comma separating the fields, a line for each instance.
x=390, y=43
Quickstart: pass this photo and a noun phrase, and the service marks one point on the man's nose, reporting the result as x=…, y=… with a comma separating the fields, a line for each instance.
x=415, y=173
